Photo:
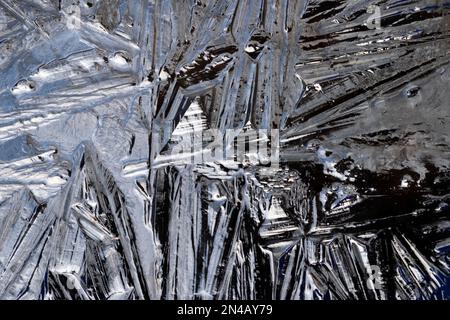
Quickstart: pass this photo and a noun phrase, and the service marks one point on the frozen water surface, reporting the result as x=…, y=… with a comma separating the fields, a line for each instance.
x=113, y=114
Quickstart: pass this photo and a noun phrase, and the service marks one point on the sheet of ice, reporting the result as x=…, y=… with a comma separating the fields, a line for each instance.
x=113, y=114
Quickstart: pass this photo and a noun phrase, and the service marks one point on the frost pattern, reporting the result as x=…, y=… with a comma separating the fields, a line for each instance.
x=95, y=96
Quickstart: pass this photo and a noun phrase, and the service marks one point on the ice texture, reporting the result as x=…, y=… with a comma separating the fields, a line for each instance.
x=98, y=97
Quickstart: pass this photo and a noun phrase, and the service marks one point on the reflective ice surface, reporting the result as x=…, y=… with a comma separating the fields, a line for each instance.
x=104, y=104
